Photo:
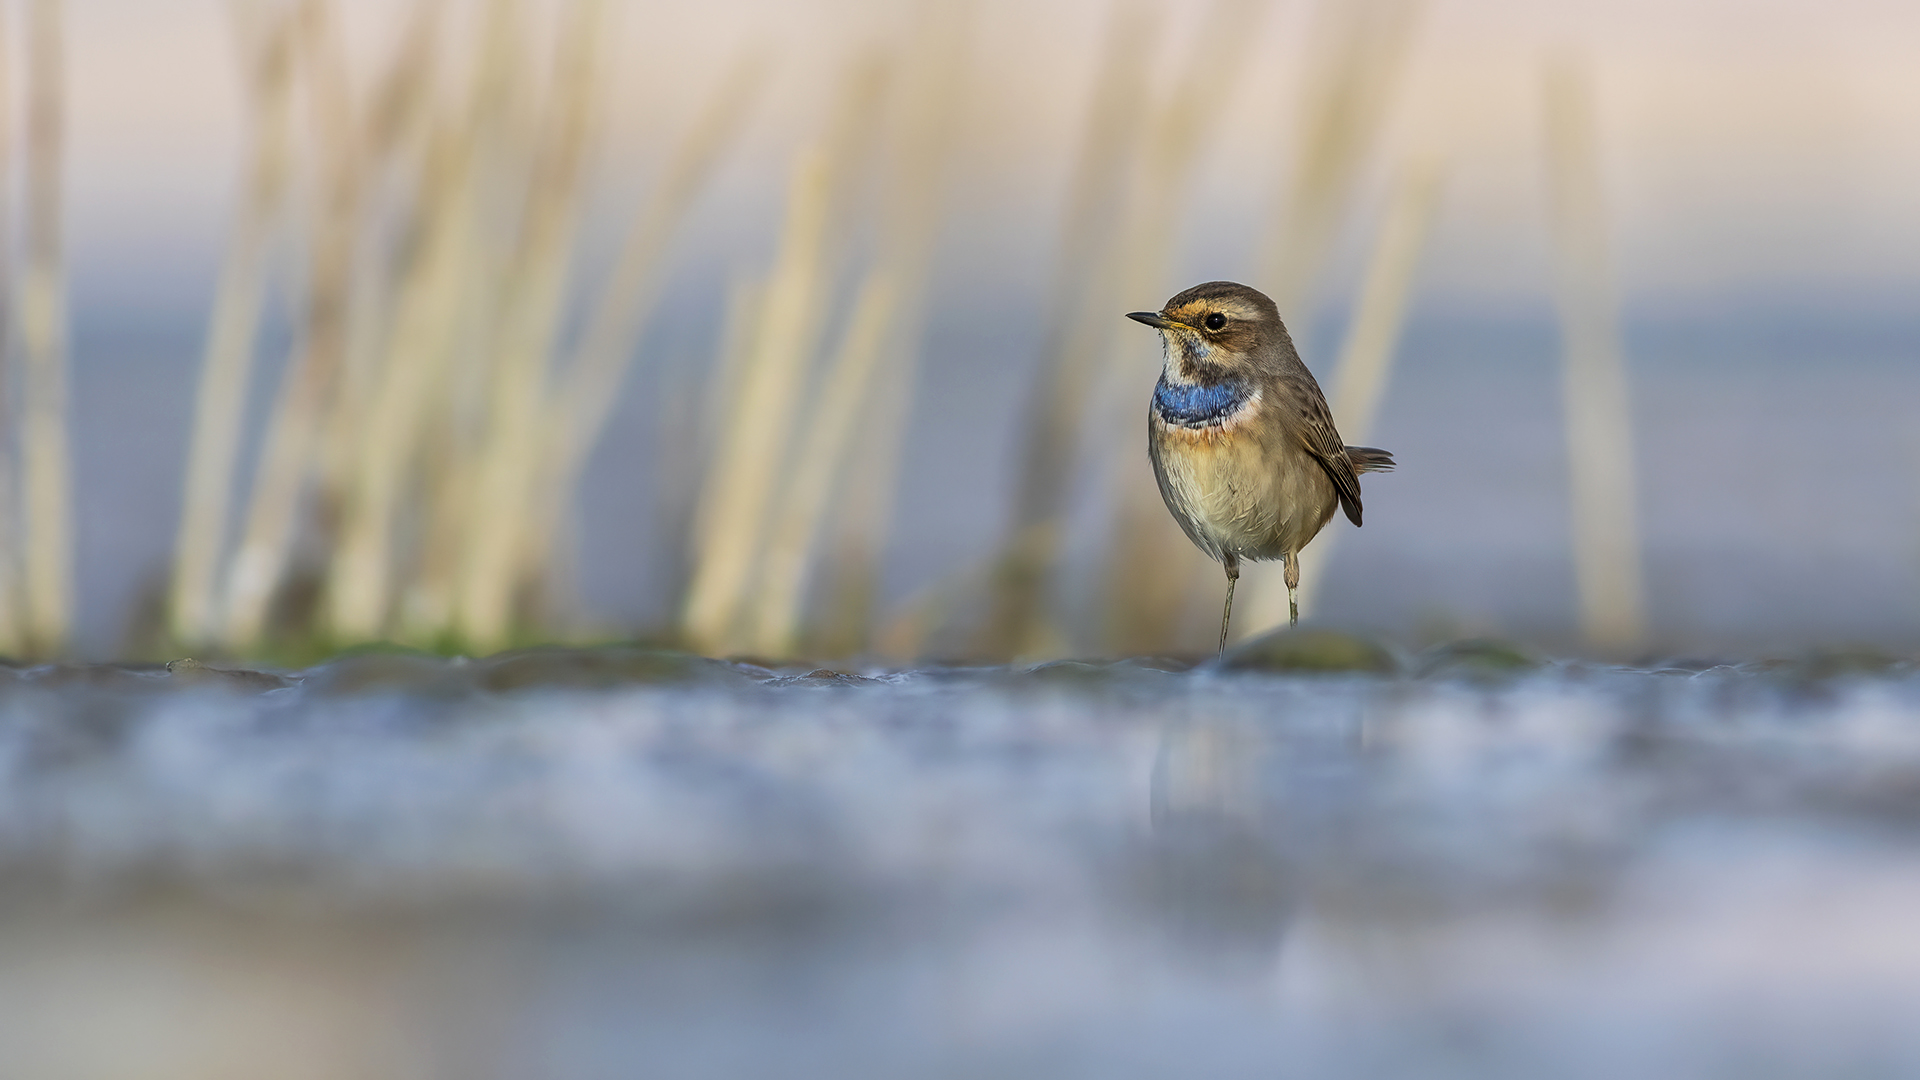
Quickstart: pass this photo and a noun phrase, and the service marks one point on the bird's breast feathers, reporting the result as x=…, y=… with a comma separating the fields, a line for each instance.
x=1234, y=482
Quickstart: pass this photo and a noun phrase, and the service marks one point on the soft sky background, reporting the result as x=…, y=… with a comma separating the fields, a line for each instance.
x=1752, y=145
x=1762, y=162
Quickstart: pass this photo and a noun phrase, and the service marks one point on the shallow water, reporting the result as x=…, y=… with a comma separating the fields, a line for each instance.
x=616, y=862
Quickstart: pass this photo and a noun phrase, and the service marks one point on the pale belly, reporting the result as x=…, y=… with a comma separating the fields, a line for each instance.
x=1233, y=495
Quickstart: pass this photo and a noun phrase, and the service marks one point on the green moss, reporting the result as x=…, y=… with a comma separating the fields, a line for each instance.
x=1477, y=659
x=376, y=670
x=556, y=667
x=1312, y=650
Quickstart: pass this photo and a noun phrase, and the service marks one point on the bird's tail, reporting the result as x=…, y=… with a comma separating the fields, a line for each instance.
x=1369, y=459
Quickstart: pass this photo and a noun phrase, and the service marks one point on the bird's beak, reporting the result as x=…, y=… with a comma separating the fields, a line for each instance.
x=1153, y=319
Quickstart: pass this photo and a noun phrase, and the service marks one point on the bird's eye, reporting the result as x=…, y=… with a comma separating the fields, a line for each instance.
x=1216, y=321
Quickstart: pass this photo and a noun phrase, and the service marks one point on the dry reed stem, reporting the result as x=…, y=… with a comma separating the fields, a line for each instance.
x=678, y=460
x=43, y=333
x=684, y=466
x=824, y=443
x=585, y=400
x=227, y=362
x=1080, y=305
x=866, y=391
x=394, y=138
x=1599, y=420
x=361, y=578
x=743, y=474
x=1359, y=379
x=10, y=628
x=429, y=391
x=1185, y=121
x=606, y=353
x=1357, y=53
x=864, y=518
x=496, y=155
x=291, y=446
x=510, y=460
x=869, y=482
x=737, y=504
x=1145, y=601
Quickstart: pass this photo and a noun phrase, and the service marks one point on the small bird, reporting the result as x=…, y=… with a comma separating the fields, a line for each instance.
x=1241, y=439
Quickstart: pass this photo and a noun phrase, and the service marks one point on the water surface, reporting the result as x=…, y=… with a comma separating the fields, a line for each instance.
x=619, y=862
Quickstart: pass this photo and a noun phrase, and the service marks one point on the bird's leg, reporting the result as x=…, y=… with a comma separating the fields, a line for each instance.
x=1293, y=588
x=1232, y=563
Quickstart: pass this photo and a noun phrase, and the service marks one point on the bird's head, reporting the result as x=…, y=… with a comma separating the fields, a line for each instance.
x=1217, y=331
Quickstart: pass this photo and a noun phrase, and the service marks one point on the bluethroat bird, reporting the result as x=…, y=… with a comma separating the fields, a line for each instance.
x=1241, y=439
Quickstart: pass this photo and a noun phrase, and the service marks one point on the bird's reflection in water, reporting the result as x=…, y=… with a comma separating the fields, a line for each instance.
x=1222, y=867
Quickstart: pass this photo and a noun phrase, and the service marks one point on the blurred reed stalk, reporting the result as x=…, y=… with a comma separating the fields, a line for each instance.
x=306, y=386
x=1081, y=317
x=1357, y=55
x=857, y=533
x=864, y=395
x=42, y=319
x=394, y=156
x=732, y=517
x=583, y=402
x=10, y=621
x=510, y=456
x=407, y=503
x=1144, y=596
x=1599, y=421
x=742, y=485
x=266, y=41
x=379, y=464
x=689, y=443
x=1359, y=378
x=819, y=458
x=424, y=439
x=409, y=153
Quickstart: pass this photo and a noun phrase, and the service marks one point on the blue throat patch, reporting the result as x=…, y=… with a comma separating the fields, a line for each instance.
x=1199, y=405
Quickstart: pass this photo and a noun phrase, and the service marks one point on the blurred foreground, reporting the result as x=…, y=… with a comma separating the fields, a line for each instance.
x=1326, y=855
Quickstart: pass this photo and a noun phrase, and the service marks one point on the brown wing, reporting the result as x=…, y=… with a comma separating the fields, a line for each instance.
x=1314, y=427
